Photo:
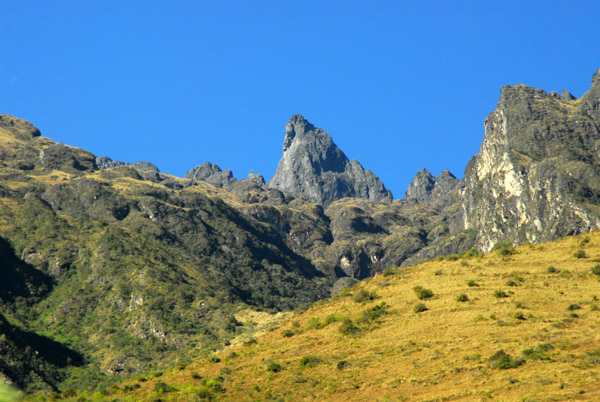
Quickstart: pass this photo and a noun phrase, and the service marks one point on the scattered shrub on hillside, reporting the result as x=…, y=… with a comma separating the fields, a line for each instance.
x=287, y=333
x=314, y=323
x=596, y=269
x=273, y=366
x=452, y=257
x=438, y=272
x=511, y=283
x=331, y=318
x=471, y=253
x=363, y=295
x=342, y=365
x=419, y=308
x=573, y=307
x=504, y=248
x=462, y=298
x=215, y=384
x=374, y=313
x=552, y=270
x=538, y=353
x=471, y=283
x=519, y=316
x=579, y=254
x=348, y=327
x=499, y=294
x=162, y=387
x=583, y=241
x=423, y=293
x=502, y=361
x=214, y=359
x=204, y=394
x=310, y=361
x=196, y=376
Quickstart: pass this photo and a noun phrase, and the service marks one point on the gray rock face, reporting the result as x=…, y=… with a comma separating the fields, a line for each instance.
x=212, y=174
x=104, y=162
x=314, y=168
x=256, y=178
x=421, y=187
x=537, y=174
x=426, y=188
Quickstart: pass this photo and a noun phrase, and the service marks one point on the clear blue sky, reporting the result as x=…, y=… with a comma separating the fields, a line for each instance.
x=400, y=85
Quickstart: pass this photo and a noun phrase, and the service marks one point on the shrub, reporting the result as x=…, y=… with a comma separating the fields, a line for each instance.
x=419, y=308
x=472, y=284
x=287, y=333
x=471, y=253
x=314, y=323
x=310, y=361
x=375, y=312
x=423, y=293
x=196, y=376
x=596, y=269
x=342, y=365
x=539, y=352
x=214, y=359
x=362, y=296
x=216, y=384
x=502, y=361
x=348, y=327
x=519, y=316
x=579, y=254
x=574, y=307
x=511, y=283
x=462, y=298
x=162, y=387
x=452, y=257
x=499, y=294
x=274, y=367
x=552, y=270
x=504, y=248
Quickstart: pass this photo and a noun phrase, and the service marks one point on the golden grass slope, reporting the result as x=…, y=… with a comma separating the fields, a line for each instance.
x=343, y=350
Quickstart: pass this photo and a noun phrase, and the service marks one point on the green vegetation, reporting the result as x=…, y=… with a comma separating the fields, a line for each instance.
x=502, y=361
x=423, y=293
x=504, y=248
x=419, y=308
x=462, y=298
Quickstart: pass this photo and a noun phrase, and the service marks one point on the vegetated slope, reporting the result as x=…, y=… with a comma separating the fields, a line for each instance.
x=126, y=267
x=510, y=325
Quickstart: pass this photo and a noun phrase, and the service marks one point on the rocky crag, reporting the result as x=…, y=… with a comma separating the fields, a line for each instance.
x=314, y=168
x=537, y=174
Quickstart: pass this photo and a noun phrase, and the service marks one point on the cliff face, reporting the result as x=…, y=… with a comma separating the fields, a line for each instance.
x=314, y=168
x=537, y=174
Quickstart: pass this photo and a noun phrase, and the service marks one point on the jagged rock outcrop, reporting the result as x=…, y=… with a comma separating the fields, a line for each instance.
x=104, y=162
x=537, y=174
x=314, y=168
x=426, y=188
x=211, y=173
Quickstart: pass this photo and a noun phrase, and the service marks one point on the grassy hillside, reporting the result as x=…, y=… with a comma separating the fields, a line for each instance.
x=511, y=325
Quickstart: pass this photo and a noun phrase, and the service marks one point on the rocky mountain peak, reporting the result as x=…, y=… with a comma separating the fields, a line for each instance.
x=212, y=174
x=426, y=188
x=314, y=168
x=421, y=186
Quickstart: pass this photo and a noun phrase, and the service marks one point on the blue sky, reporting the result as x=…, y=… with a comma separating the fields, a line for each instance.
x=400, y=85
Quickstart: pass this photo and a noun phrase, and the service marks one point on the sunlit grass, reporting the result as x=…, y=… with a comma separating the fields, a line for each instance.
x=443, y=353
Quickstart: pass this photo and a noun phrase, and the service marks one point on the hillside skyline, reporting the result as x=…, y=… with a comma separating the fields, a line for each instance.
x=398, y=86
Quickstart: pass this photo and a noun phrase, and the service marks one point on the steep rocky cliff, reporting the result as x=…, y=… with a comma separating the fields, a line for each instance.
x=314, y=168
x=537, y=174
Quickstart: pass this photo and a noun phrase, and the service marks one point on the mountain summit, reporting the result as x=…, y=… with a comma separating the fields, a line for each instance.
x=314, y=168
